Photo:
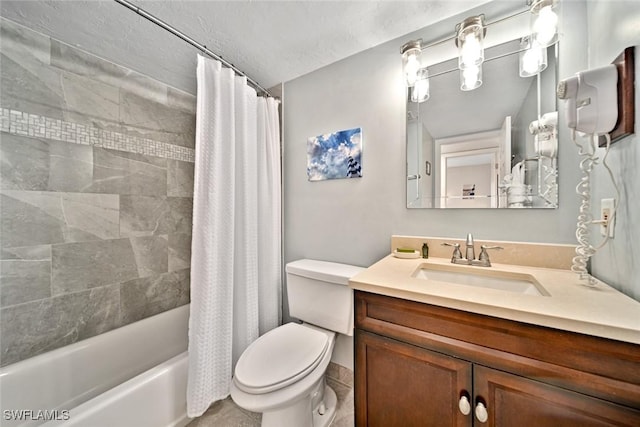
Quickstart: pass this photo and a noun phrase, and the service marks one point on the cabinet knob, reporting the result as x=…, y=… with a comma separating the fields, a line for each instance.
x=464, y=405
x=481, y=412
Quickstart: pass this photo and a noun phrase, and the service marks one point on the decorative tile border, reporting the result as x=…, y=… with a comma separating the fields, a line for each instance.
x=36, y=126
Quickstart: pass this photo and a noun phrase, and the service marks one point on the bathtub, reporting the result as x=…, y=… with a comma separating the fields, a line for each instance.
x=132, y=376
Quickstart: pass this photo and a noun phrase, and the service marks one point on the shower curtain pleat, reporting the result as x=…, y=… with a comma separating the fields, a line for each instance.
x=269, y=212
x=245, y=258
x=232, y=299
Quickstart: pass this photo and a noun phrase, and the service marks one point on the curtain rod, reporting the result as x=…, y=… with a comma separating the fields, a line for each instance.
x=191, y=41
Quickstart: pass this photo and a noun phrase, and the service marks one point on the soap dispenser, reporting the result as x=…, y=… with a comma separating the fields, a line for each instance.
x=425, y=250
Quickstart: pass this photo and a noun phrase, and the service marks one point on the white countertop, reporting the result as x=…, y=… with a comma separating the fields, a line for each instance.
x=570, y=305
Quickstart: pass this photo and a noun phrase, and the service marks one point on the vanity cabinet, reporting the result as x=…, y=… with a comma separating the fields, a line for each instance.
x=416, y=364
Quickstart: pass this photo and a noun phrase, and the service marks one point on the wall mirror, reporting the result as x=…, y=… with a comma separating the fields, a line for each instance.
x=491, y=147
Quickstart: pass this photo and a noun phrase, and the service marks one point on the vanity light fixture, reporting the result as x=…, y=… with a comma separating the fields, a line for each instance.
x=420, y=90
x=544, y=21
x=470, y=42
x=533, y=57
x=411, y=52
x=469, y=39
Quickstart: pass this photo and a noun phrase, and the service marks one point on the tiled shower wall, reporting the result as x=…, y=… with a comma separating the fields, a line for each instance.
x=96, y=194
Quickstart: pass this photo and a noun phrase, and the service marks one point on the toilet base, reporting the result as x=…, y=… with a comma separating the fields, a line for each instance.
x=330, y=404
x=301, y=414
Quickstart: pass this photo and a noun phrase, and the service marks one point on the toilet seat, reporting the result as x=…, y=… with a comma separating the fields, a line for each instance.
x=280, y=357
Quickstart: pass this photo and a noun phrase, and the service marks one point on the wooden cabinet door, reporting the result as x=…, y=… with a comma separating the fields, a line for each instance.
x=402, y=385
x=516, y=401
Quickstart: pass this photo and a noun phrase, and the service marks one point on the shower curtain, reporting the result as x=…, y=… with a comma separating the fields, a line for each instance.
x=236, y=256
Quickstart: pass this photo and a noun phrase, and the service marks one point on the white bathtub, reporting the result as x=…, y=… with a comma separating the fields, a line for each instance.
x=132, y=376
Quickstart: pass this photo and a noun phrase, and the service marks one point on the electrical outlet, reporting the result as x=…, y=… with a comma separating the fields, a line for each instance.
x=607, y=215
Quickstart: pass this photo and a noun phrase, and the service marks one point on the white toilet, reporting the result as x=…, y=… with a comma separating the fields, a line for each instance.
x=281, y=374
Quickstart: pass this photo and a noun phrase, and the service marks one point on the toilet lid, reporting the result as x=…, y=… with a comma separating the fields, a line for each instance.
x=280, y=357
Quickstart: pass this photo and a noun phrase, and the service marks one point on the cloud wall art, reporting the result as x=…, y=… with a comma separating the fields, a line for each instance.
x=335, y=155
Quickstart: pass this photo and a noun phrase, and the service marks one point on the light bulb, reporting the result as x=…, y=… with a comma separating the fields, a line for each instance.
x=469, y=40
x=420, y=91
x=471, y=77
x=471, y=50
x=545, y=26
x=411, y=69
x=531, y=61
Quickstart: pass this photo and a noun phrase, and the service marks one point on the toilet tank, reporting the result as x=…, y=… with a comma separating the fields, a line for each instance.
x=319, y=294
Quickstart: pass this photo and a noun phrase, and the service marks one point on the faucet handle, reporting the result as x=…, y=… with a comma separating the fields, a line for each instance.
x=456, y=250
x=490, y=247
x=484, y=255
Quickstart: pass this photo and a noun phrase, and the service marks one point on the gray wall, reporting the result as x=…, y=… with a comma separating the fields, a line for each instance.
x=613, y=26
x=352, y=220
x=96, y=187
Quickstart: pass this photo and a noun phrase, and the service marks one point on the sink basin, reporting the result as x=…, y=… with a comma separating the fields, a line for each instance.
x=489, y=279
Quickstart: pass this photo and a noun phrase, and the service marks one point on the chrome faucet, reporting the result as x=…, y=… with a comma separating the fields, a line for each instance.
x=470, y=253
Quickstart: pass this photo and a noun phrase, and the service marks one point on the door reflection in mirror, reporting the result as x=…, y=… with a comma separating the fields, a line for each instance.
x=484, y=137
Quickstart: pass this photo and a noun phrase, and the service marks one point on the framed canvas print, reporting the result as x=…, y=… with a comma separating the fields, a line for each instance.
x=335, y=155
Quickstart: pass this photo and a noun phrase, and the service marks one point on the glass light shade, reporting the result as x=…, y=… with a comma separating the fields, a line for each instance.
x=471, y=51
x=420, y=91
x=470, y=42
x=411, y=53
x=471, y=77
x=544, y=22
x=533, y=59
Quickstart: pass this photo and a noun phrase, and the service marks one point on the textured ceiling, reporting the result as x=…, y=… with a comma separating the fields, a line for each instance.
x=271, y=41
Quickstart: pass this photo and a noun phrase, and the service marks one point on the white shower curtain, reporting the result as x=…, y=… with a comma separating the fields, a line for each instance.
x=235, y=256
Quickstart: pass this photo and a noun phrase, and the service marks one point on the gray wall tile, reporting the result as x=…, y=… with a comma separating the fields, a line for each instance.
x=151, y=253
x=79, y=266
x=31, y=253
x=70, y=166
x=181, y=100
x=68, y=58
x=179, y=251
x=118, y=172
x=25, y=274
x=25, y=163
x=143, y=215
x=39, y=326
x=90, y=216
x=25, y=91
x=180, y=178
x=148, y=296
x=39, y=164
x=32, y=218
x=24, y=280
x=180, y=214
x=90, y=102
x=175, y=126
x=20, y=41
x=26, y=224
x=81, y=221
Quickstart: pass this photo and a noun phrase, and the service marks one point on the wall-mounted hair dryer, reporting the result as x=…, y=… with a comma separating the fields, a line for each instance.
x=545, y=134
x=547, y=122
x=591, y=100
x=592, y=108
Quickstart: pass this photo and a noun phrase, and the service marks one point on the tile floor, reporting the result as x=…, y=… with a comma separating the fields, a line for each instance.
x=226, y=414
